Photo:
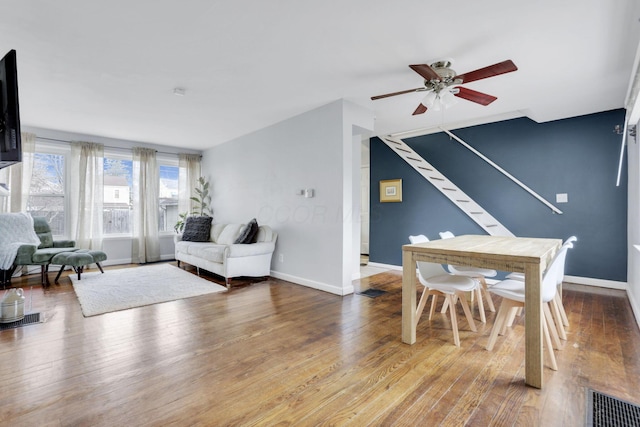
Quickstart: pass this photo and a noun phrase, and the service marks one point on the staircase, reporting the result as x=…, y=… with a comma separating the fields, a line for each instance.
x=448, y=188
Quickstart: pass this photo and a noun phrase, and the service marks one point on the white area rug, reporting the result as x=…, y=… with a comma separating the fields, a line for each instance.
x=135, y=287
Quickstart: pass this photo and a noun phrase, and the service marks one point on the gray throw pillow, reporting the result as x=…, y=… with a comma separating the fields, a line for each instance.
x=248, y=233
x=197, y=229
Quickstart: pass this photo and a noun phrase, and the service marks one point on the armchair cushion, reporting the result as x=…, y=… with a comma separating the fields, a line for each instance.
x=43, y=231
x=64, y=243
x=44, y=255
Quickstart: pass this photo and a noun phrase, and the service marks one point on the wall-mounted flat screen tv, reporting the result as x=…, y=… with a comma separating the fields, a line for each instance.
x=10, y=142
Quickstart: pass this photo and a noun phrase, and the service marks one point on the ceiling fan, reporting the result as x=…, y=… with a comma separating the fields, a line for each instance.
x=440, y=79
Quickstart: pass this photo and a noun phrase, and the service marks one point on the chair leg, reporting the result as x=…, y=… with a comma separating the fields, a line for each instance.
x=501, y=318
x=563, y=313
x=487, y=294
x=514, y=313
x=434, y=300
x=445, y=306
x=483, y=317
x=421, y=304
x=44, y=275
x=454, y=319
x=467, y=310
x=553, y=331
x=557, y=317
x=100, y=267
x=510, y=318
x=547, y=338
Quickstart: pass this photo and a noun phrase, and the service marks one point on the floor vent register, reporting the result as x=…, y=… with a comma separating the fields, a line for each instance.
x=604, y=410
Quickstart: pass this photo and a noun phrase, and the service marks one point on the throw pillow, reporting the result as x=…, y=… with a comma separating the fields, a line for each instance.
x=197, y=229
x=229, y=234
x=248, y=233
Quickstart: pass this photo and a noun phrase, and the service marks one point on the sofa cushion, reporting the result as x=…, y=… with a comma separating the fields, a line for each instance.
x=216, y=229
x=229, y=234
x=190, y=248
x=197, y=229
x=248, y=232
x=211, y=252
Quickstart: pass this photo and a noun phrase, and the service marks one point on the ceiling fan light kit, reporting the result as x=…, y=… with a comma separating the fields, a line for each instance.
x=440, y=79
x=440, y=99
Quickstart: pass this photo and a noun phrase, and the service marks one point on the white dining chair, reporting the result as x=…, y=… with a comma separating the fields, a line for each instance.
x=557, y=306
x=513, y=296
x=437, y=282
x=476, y=272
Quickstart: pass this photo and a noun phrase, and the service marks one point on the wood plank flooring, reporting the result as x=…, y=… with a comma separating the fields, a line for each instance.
x=272, y=353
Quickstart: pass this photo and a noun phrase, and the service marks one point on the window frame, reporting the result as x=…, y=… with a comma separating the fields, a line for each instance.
x=44, y=147
x=117, y=154
x=168, y=160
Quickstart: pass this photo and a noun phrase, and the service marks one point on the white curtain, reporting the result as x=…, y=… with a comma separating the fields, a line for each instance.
x=86, y=194
x=146, y=177
x=17, y=177
x=189, y=172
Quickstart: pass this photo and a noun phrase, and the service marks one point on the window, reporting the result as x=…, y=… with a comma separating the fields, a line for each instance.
x=47, y=190
x=168, y=197
x=117, y=194
x=118, y=178
x=46, y=193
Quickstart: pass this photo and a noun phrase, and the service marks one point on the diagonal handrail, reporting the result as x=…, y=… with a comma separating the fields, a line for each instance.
x=502, y=171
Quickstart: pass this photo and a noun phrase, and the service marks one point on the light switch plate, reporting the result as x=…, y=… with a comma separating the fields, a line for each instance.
x=562, y=198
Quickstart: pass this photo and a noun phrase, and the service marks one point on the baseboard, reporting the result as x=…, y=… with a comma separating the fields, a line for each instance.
x=313, y=284
x=387, y=266
x=601, y=283
x=108, y=261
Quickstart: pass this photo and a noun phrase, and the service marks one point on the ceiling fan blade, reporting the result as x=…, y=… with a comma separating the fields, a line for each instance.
x=425, y=71
x=474, y=96
x=490, y=71
x=421, y=109
x=373, y=98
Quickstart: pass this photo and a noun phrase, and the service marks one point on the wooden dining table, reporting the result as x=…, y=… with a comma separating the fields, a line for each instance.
x=527, y=255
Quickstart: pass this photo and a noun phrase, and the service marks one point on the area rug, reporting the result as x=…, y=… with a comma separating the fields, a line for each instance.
x=126, y=288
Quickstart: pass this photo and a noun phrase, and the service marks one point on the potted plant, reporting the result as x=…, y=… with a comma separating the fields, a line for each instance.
x=202, y=204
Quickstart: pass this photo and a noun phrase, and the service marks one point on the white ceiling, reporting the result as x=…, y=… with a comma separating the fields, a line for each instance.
x=109, y=68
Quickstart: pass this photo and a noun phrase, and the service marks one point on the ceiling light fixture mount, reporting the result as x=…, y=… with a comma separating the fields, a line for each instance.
x=179, y=91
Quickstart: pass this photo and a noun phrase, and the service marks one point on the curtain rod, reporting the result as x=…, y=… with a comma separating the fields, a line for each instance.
x=106, y=146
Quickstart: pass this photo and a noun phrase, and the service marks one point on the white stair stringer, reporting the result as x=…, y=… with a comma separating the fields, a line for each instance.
x=473, y=210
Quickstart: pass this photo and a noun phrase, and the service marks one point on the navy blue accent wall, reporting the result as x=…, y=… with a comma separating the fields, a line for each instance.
x=577, y=156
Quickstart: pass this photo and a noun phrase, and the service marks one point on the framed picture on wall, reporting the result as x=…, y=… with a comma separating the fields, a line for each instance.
x=391, y=190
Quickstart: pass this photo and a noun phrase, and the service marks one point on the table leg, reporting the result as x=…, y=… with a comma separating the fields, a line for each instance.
x=533, y=325
x=408, y=298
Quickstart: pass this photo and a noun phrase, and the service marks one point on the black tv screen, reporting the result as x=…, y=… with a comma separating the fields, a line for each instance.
x=10, y=142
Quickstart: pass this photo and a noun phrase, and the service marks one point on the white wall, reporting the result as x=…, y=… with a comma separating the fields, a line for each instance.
x=633, y=226
x=259, y=175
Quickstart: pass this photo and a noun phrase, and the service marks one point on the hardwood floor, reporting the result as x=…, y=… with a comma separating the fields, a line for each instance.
x=275, y=353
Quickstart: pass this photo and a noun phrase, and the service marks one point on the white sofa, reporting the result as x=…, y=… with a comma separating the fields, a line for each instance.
x=223, y=257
